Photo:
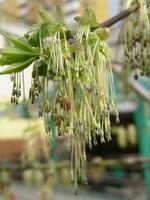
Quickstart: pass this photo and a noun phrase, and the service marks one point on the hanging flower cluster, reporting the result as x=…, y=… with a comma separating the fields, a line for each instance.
x=80, y=71
x=135, y=36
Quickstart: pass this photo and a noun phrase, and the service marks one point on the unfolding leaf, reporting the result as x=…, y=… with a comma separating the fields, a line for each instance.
x=88, y=18
x=33, y=35
x=4, y=60
x=12, y=52
x=17, y=67
x=18, y=43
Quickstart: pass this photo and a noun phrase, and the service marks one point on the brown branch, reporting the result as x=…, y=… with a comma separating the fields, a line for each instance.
x=110, y=22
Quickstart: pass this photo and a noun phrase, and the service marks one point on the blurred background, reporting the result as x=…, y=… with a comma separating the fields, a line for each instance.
x=116, y=170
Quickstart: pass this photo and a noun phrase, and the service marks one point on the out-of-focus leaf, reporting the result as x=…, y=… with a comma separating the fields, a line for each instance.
x=45, y=16
x=59, y=13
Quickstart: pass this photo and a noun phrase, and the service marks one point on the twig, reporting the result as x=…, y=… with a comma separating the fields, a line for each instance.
x=110, y=22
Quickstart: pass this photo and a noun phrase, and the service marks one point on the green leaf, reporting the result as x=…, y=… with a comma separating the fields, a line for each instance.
x=88, y=18
x=17, y=67
x=4, y=60
x=33, y=35
x=12, y=52
x=55, y=27
x=18, y=43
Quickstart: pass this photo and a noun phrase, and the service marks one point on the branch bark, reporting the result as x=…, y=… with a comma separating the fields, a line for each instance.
x=110, y=22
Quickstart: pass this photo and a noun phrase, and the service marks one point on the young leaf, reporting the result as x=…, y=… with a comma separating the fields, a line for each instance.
x=4, y=60
x=12, y=52
x=18, y=43
x=88, y=18
x=17, y=67
x=33, y=35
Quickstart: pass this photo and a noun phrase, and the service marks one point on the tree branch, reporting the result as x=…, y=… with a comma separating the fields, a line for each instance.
x=110, y=22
